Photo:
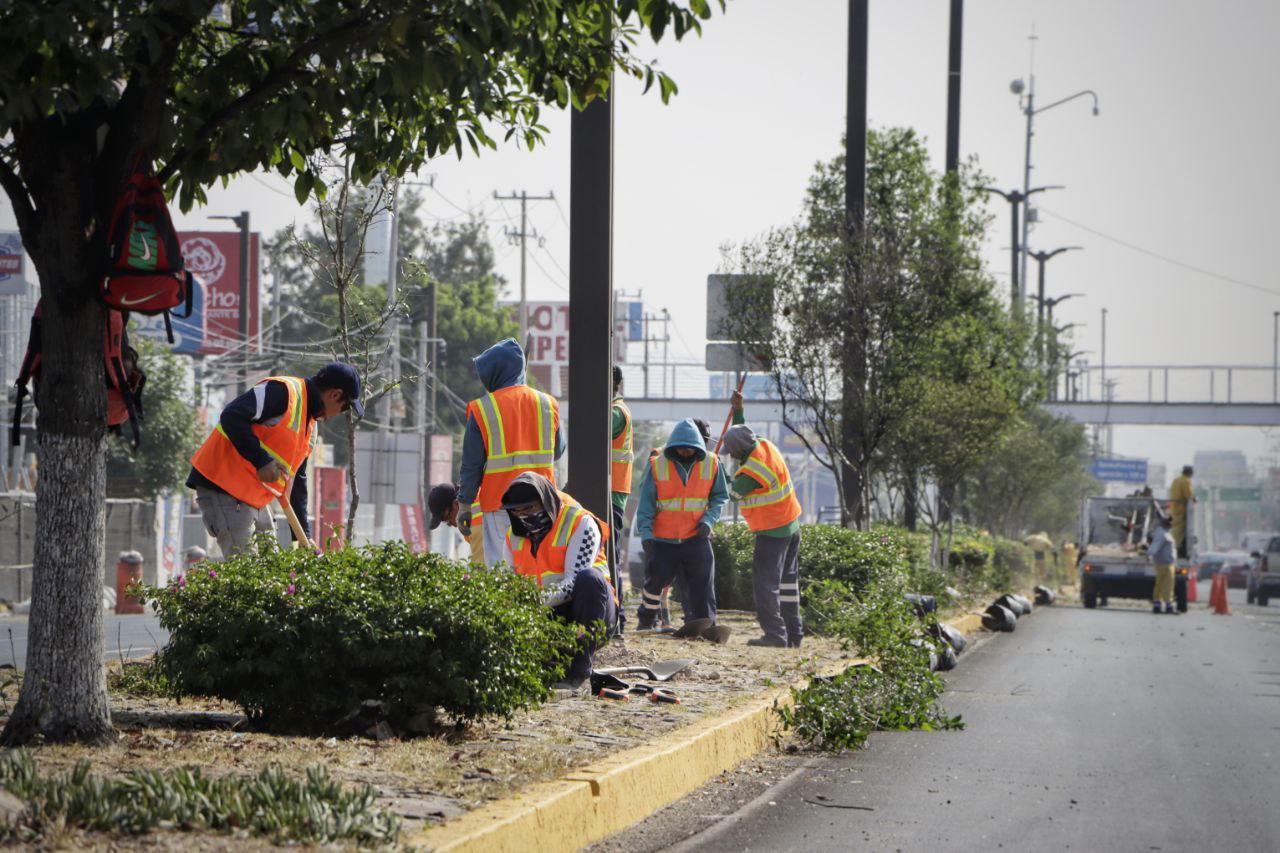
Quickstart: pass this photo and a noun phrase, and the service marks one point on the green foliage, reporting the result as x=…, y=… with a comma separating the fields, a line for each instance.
x=903, y=305
x=276, y=805
x=970, y=553
x=1032, y=480
x=169, y=431
x=300, y=640
x=898, y=692
x=143, y=679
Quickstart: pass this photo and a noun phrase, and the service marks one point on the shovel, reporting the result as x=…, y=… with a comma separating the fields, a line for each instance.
x=660, y=671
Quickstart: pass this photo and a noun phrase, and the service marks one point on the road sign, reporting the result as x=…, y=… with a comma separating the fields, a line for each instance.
x=1119, y=470
x=1240, y=495
x=735, y=358
x=728, y=295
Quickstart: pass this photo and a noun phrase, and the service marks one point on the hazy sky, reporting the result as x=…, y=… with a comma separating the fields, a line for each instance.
x=1181, y=162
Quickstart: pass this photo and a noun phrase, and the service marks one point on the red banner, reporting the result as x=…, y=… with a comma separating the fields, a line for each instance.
x=331, y=506
x=414, y=528
x=214, y=258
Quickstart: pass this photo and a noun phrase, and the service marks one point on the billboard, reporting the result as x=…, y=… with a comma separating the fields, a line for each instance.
x=214, y=258
x=13, y=280
x=548, y=354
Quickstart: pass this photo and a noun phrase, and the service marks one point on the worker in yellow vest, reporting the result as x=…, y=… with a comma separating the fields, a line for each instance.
x=1181, y=495
x=260, y=446
x=767, y=498
x=621, y=454
x=557, y=542
x=511, y=429
x=681, y=498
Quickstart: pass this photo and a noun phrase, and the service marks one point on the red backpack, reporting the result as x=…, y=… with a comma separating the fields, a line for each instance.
x=125, y=380
x=146, y=273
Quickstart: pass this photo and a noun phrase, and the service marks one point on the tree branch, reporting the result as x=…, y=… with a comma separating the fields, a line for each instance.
x=23, y=209
x=292, y=69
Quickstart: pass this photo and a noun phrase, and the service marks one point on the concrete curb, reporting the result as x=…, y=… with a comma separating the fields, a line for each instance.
x=606, y=797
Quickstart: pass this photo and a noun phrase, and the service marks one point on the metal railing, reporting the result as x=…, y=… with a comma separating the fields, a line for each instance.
x=1215, y=384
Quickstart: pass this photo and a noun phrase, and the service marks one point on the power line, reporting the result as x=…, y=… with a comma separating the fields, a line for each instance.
x=1168, y=260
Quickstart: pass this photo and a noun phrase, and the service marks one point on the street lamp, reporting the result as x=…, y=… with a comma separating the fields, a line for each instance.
x=1030, y=110
x=1015, y=198
x=1275, y=354
x=242, y=222
x=1042, y=258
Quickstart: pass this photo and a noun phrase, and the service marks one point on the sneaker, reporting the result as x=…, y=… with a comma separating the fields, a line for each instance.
x=1168, y=607
x=570, y=687
x=1155, y=608
x=769, y=641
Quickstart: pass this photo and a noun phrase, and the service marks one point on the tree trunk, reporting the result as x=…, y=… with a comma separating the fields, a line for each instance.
x=64, y=691
x=910, y=503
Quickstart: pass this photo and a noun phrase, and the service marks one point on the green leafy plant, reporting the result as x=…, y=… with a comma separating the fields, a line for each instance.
x=899, y=692
x=311, y=809
x=300, y=640
x=138, y=678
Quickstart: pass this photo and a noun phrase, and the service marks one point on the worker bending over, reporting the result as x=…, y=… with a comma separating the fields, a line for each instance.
x=681, y=497
x=765, y=493
x=510, y=430
x=262, y=441
x=556, y=541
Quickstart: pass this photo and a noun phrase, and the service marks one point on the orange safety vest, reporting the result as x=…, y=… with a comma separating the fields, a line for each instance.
x=776, y=505
x=681, y=504
x=548, y=566
x=519, y=428
x=622, y=453
x=288, y=441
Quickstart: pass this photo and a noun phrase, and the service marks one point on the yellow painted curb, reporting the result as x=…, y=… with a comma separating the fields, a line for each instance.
x=967, y=624
x=606, y=797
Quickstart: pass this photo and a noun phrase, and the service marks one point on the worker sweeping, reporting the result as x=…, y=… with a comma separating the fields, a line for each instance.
x=681, y=498
x=621, y=455
x=556, y=541
x=766, y=495
x=510, y=430
x=262, y=440
x=1040, y=545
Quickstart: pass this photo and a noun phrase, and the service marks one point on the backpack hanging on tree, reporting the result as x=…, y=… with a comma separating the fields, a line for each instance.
x=146, y=273
x=125, y=379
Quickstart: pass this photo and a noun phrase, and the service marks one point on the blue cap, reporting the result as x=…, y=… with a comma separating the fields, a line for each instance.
x=335, y=374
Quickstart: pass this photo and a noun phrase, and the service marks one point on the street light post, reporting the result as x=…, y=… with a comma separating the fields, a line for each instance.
x=1275, y=355
x=1015, y=198
x=1030, y=110
x=242, y=221
x=1043, y=258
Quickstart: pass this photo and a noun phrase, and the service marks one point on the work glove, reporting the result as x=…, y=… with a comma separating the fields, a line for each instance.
x=272, y=472
x=464, y=521
x=735, y=400
x=704, y=530
x=646, y=546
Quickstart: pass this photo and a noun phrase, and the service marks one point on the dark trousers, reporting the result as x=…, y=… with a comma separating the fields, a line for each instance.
x=693, y=565
x=775, y=580
x=617, y=569
x=592, y=601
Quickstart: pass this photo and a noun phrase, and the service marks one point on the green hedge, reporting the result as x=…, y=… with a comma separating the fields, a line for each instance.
x=300, y=640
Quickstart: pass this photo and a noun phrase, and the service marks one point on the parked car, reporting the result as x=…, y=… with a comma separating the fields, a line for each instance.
x=1210, y=563
x=1264, y=577
x=1236, y=566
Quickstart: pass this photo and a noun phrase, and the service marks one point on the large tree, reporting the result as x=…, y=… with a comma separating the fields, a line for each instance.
x=91, y=89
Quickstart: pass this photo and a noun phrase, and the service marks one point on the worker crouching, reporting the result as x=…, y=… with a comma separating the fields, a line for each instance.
x=560, y=544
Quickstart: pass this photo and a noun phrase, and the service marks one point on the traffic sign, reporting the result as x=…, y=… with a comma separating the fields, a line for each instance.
x=1240, y=495
x=1119, y=470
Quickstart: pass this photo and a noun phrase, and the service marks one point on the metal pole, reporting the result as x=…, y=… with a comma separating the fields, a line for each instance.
x=393, y=271
x=645, y=323
x=1040, y=257
x=1026, y=175
x=1013, y=251
x=243, y=221
x=1104, y=349
x=953, y=85
x=434, y=330
x=853, y=361
x=420, y=410
x=1275, y=355
x=524, y=292
x=591, y=300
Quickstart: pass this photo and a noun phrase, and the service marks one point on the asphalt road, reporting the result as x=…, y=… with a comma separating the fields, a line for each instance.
x=130, y=636
x=1109, y=729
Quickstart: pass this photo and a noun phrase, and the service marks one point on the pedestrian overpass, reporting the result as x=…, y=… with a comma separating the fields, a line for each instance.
x=1119, y=395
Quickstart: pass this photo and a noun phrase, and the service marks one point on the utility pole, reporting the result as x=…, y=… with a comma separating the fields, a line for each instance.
x=1043, y=258
x=953, y=85
x=523, y=235
x=853, y=364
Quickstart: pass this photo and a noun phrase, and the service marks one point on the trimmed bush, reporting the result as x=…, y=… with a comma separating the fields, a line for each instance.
x=300, y=640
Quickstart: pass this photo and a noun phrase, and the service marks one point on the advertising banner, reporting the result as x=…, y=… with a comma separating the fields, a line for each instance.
x=413, y=527
x=214, y=258
x=548, y=355
x=13, y=279
x=331, y=506
x=188, y=332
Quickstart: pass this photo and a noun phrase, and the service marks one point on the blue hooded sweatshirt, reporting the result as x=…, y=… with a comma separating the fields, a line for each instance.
x=685, y=434
x=500, y=366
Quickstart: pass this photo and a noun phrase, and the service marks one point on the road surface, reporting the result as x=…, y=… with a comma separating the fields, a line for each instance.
x=131, y=636
x=1108, y=729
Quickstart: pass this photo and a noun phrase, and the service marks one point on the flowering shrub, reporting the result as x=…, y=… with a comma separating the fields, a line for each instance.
x=299, y=640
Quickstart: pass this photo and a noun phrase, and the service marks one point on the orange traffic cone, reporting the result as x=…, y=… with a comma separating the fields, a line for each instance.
x=1192, y=583
x=1219, y=597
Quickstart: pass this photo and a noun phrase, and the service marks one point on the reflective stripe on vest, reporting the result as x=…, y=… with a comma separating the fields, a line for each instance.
x=622, y=452
x=519, y=428
x=776, y=504
x=287, y=441
x=681, y=504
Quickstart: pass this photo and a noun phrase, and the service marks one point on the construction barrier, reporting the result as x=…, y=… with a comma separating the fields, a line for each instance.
x=1218, y=595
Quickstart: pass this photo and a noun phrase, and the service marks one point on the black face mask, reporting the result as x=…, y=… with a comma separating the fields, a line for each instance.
x=536, y=524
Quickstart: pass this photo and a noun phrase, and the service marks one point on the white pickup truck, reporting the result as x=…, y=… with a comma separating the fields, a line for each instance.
x=1114, y=561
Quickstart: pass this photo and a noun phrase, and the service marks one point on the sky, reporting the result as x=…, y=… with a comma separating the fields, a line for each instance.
x=1179, y=164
